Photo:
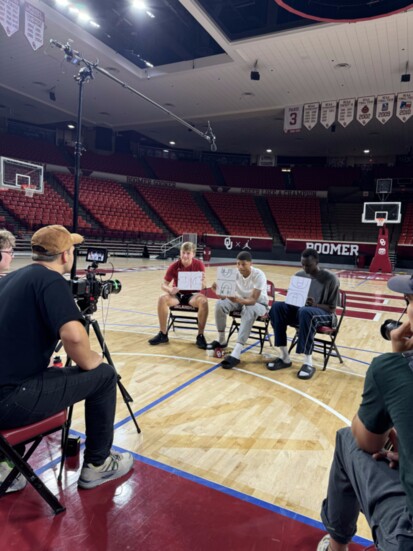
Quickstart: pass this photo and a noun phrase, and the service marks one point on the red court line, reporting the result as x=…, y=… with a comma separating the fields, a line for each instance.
x=377, y=307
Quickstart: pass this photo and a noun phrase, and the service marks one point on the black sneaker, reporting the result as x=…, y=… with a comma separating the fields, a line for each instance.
x=160, y=338
x=201, y=342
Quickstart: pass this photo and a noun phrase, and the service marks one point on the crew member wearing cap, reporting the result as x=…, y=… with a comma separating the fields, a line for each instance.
x=36, y=310
x=365, y=474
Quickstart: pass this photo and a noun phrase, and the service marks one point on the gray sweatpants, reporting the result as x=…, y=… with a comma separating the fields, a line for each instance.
x=360, y=483
x=248, y=315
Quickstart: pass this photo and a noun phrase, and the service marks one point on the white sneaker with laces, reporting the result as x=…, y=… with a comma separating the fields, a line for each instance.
x=115, y=466
x=18, y=483
x=324, y=544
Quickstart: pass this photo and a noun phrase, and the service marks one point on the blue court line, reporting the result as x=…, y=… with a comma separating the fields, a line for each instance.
x=217, y=487
x=199, y=480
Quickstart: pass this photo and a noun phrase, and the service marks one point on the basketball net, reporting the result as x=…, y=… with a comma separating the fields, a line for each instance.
x=28, y=190
x=380, y=221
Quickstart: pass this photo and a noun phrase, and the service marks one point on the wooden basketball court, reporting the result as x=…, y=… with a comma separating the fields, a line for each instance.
x=266, y=435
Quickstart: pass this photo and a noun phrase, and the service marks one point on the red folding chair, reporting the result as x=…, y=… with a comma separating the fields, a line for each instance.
x=33, y=434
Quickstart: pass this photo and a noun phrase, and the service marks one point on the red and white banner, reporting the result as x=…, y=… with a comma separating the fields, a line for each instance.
x=310, y=115
x=346, y=111
x=365, y=109
x=384, y=109
x=404, y=106
x=10, y=16
x=293, y=118
x=328, y=113
x=33, y=26
x=332, y=248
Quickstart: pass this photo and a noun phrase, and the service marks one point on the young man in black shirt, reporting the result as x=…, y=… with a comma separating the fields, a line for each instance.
x=36, y=310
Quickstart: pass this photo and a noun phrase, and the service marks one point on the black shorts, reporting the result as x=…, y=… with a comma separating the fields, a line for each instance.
x=184, y=298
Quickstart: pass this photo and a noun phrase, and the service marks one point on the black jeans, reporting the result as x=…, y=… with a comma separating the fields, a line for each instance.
x=55, y=389
x=360, y=483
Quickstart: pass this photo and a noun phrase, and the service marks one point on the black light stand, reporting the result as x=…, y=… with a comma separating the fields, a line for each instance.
x=85, y=74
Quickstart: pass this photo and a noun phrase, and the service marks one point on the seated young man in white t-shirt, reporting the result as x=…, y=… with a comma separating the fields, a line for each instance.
x=250, y=299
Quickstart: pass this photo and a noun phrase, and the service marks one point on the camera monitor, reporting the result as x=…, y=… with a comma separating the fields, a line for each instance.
x=96, y=254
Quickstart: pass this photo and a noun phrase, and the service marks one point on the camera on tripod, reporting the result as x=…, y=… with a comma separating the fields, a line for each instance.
x=88, y=289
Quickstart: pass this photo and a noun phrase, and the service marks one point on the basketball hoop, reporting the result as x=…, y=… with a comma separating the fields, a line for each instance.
x=380, y=222
x=28, y=191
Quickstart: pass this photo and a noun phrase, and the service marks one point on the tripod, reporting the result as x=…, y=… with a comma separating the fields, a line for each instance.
x=127, y=398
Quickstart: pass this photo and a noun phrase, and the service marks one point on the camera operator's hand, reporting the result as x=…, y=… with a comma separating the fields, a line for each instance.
x=402, y=337
x=76, y=344
x=391, y=455
x=310, y=302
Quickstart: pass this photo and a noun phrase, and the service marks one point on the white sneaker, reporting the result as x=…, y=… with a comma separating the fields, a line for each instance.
x=18, y=483
x=115, y=466
x=324, y=544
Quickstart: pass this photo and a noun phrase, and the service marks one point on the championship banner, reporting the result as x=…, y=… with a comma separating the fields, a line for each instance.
x=33, y=26
x=346, y=111
x=384, y=109
x=404, y=106
x=328, y=113
x=10, y=16
x=293, y=118
x=365, y=109
x=310, y=115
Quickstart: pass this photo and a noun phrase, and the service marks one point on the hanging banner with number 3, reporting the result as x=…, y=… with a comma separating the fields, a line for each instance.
x=293, y=118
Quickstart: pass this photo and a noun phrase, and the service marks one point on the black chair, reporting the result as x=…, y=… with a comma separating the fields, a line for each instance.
x=259, y=330
x=33, y=434
x=182, y=317
x=325, y=336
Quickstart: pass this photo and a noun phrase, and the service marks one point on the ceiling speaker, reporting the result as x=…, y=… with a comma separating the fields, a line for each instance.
x=344, y=10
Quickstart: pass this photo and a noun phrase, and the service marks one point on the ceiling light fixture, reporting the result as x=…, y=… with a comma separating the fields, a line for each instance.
x=139, y=5
x=366, y=151
x=171, y=143
x=71, y=126
x=62, y=3
x=268, y=150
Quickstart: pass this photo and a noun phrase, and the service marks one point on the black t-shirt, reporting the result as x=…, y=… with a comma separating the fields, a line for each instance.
x=35, y=302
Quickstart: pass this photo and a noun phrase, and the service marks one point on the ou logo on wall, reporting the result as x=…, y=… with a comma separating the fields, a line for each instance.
x=228, y=243
x=382, y=252
x=383, y=242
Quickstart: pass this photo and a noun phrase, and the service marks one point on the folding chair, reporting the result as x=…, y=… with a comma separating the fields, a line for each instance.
x=34, y=434
x=182, y=317
x=259, y=330
x=325, y=336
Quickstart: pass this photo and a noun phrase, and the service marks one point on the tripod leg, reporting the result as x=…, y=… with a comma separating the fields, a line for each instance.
x=125, y=394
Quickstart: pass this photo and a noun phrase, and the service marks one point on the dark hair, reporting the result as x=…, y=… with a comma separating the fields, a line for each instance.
x=244, y=255
x=310, y=252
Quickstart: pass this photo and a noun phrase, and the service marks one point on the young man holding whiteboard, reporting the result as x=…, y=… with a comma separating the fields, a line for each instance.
x=175, y=293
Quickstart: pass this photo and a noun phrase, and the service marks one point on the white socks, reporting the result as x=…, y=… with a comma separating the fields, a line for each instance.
x=308, y=359
x=236, y=353
x=284, y=354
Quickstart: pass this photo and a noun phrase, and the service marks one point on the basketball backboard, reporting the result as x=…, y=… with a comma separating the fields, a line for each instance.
x=390, y=212
x=21, y=175
x=384, y=185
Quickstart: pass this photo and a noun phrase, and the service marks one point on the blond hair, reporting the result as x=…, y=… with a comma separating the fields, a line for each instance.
x=7, y=239
x=188, y=246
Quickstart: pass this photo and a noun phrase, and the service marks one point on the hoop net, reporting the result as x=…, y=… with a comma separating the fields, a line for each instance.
x=380, y=221
x=28, y=190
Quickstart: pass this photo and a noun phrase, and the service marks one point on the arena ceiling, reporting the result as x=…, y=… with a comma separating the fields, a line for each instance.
x=195, y=58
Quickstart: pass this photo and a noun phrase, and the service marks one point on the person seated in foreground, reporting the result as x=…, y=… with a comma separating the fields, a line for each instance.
x=323, y=297
x=173, y=295
x=366, y=474
x=37, y=309
x=251, y=299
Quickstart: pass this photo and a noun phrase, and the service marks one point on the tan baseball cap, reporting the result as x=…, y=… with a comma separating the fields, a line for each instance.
x=53, y=240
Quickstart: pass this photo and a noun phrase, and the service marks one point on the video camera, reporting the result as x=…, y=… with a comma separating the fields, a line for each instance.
x=88, y=289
